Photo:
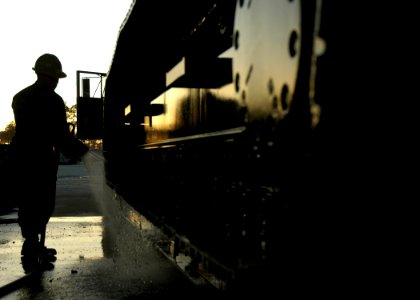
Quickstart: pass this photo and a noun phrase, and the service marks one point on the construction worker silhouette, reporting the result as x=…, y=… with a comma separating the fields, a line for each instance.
x=42, y=132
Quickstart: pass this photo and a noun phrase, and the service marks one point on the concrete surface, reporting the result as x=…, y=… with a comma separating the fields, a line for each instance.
x=101, y=254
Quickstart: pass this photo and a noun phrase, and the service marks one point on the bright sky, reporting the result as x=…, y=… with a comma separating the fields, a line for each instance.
x=81, y=33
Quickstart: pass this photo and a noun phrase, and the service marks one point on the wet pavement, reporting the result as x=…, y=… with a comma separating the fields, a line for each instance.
x=104, y=250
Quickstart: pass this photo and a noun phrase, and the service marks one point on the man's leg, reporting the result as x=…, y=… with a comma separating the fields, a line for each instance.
x=29, y=232
x=47, y=212
x=44, y=249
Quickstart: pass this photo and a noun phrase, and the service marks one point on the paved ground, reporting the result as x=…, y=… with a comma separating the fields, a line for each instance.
x=102, y=254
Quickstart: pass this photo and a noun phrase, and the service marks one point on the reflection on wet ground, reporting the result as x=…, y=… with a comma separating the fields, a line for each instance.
x=76, y=239
x=101, y=254
x=82, y=270
x=62, y=232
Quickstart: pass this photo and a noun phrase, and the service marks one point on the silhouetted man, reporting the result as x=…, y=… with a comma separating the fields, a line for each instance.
x=41, y=133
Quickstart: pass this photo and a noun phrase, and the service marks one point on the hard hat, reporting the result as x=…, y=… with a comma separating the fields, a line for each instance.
x=50, y=65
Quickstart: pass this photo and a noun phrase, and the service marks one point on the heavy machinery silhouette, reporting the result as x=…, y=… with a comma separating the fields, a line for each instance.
x=229, y=125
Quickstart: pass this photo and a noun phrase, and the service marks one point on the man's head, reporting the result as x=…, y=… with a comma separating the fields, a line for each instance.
x=49, y=65
x=48, y=69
